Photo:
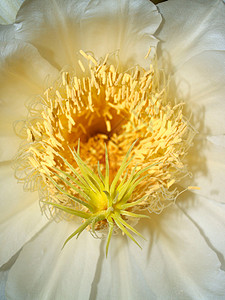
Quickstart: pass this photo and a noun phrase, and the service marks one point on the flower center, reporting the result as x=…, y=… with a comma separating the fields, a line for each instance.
x=81, y=134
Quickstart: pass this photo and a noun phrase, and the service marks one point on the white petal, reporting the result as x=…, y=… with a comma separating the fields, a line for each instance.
x=53, y=27
x=13, y=199
x=23, y=72
x=191, y=27
x=3, y=278
x=19, y=229
x=8, y=10
x=8, y=146
x=60, y=29
x=20, y=216
x=119, y=276
x=178, y=264
x=50, y=273
x=127, y=26
x=201, y=83
x=218, y=140
x=209, y=218
x=23, y=75
x=7, y=32
x=206, y=162
x=175, y=263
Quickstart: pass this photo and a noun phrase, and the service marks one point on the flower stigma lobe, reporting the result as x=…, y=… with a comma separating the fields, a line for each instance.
x=101, y=112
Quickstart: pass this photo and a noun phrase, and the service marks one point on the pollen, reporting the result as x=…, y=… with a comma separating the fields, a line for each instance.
x=102, y=144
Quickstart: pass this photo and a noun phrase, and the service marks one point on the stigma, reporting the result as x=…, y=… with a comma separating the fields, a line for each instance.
x=104, y=145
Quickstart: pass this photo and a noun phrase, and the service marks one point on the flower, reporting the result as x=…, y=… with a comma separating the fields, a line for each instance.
x=183, y=256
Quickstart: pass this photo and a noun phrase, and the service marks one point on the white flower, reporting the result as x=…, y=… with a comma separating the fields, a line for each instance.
x=183, y=257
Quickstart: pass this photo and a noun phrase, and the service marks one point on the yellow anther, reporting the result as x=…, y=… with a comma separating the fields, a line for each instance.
x=81, y=65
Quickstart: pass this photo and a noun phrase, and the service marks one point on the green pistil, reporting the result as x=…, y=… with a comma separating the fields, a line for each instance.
x=101, y=201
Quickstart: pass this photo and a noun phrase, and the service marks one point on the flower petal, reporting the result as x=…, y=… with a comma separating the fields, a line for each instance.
x=201, y=82
x=197, y=27
x=209, y=217
x=20, y=216
x=218, y=140
x=7, y=32
x=23, y=73
x=8, y=10
x=118, y=276
x=178, y=264
x=9, y=144
x=19, y=229
x=125, y=25
x=175, y=263
x=50, y=272
x=53, y=27
x=57, y=29
x=13, y=198
x=3, y=278
x=206, y=161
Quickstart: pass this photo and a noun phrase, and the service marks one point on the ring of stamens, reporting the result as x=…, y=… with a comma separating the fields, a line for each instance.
x=104, y=107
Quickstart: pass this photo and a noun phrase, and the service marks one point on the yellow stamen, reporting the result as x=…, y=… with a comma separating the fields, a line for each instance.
x=149, y=51
x=194, y=188
x=81, y=65
x=113, y=109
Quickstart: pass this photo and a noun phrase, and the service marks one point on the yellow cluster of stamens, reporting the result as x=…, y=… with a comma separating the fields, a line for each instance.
x=103, y=107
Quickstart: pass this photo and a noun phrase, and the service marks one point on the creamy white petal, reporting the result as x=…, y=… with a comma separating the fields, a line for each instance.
x=58, y=28
x=119, y=276
x=7, y=32
x=175, y=263
x=8, y=10
x=20, y=216
x=52, y=273
x=13, y=199
x=191, y=27
x=19, y=229
x=23, y=75
x=178, y=263
x=206, y=162
x=8, y=146
x=218, y=140
x=127, y=26
x=201, y=83
x=209, y=217
x=3, y=278
x=53, y=27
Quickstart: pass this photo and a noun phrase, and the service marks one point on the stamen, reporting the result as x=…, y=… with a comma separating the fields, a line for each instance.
x=105, y=108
